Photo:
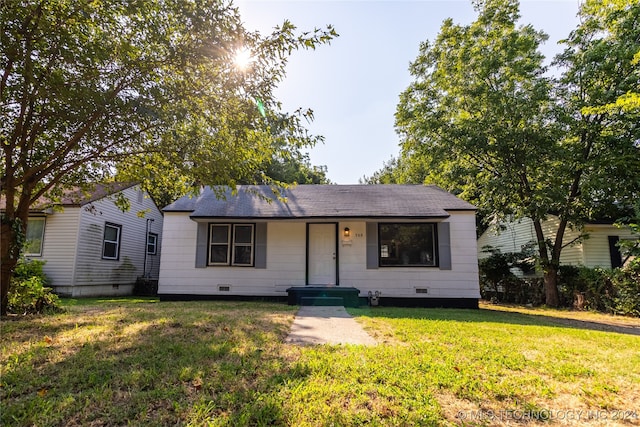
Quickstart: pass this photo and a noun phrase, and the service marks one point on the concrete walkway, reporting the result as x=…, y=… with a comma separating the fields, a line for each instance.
x=326, y=325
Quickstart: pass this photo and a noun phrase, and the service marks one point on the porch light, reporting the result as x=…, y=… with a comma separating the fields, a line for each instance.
x=347, y=232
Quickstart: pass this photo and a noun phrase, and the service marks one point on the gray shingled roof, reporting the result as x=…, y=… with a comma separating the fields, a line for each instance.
x=75, y=197
x=324, y=201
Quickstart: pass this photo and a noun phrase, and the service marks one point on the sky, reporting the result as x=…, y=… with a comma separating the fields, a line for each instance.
x=353, y=85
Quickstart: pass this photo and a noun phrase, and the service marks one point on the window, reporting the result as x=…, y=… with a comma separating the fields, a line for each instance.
x=34, y=237
x=220, y=244
x=407, y=245
x=231, y=244
x=152, y=243
x=111, y=241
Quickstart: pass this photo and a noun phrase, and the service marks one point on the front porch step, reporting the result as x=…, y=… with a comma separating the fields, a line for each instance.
x=325, y=295
x=322, y=301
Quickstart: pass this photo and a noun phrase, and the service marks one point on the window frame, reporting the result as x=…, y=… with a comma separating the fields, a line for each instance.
x=41, y=248
x=117, y=242
x=231, y=245
x=393, y=247
x=251, y=245
x=211, y=243
x=155, y=243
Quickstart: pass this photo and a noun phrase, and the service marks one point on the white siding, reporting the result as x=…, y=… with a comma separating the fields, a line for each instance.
x=58, y=249
x=573, y=253
x=596, y=247
x=591, y=252
x=508, y=236
x=96, y=276
x=401, y=282
x=286, y=264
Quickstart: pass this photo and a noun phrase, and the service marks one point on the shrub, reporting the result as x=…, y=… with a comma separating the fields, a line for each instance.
x=28, y=293
x=586, y=288
x=614, y=291
x=499, y=283
x=626, y=282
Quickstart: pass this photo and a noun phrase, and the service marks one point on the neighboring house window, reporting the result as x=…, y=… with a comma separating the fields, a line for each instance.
x=231, y=244
x=34, y=237
x=407, y=245
x=152, y=244
x=111, y=241
x=614, y=252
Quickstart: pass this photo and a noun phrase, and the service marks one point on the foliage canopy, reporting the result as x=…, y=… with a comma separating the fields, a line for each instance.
x=146, y=86
x=483, y=118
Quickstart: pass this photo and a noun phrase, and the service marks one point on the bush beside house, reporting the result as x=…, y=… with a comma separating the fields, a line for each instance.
x=29, y=293
x=614, y=291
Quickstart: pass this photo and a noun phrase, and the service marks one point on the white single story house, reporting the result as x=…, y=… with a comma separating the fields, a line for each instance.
x=412, y=244
x=91, y=247
x=598, y=249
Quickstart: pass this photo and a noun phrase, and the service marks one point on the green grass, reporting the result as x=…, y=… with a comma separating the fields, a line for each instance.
x=144, y=362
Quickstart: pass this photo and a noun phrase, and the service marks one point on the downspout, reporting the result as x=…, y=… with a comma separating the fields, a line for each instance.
x=146, y=250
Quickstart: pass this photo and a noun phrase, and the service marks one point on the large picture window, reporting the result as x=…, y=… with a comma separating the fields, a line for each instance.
x=411, y=245
x=34, y=237
x=111, y=241
x=231, y=244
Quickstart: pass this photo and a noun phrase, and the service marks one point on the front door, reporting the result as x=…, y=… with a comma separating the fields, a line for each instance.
x=322, y=254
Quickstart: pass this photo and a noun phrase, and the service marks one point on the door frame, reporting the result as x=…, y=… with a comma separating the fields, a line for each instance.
x=306, y=272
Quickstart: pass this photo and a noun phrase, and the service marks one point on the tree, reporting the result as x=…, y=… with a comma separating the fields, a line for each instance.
x=390, y=173
x=601, y=160
x=483, y=119
x=87, y=85
x=296, y=169
x=166, y=183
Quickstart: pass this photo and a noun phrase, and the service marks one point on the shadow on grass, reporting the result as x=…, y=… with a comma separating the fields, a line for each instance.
x=493, y=316
x=127, y=300
x=153, y=364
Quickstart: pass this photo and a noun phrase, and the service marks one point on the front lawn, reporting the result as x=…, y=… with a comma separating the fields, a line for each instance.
x=143, y=362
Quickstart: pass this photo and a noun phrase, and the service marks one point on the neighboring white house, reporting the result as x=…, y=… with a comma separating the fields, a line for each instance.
x=598, y=249
x=413, y=244
x=91, y=247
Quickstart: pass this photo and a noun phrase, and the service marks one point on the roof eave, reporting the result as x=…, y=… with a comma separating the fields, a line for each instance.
x=199, y=218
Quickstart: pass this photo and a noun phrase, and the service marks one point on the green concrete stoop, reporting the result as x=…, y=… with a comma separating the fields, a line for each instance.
x=323, y=296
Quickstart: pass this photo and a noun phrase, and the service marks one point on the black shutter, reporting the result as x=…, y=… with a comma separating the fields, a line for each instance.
x=444, y=245
x=261, y=245
x=202, y=240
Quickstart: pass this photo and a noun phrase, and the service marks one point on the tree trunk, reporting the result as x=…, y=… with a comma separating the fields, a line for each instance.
x=12, y=230
x=552, y=296
x=549, y=266
x=8, y=261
